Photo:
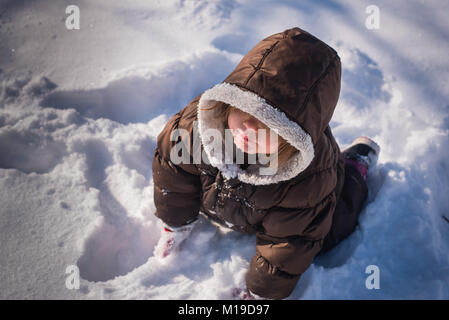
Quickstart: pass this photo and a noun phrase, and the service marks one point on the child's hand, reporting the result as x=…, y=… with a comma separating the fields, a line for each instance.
x=170, y=239
x=245, y=294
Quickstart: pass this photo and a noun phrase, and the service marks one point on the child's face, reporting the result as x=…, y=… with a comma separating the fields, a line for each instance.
x=246, y=131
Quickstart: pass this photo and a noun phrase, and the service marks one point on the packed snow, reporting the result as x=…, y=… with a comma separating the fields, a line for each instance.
x=80, y=111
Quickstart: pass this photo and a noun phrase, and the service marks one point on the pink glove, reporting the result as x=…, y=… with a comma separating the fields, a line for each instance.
x=245, y=294
x=171, y=238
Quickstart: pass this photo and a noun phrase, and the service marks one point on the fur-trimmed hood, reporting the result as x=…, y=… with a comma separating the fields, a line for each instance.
x=290, y=81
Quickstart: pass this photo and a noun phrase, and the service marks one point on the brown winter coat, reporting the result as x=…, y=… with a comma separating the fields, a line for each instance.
x=291, y=82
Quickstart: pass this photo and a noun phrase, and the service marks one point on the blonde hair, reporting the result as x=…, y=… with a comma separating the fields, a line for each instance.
x=285, y=150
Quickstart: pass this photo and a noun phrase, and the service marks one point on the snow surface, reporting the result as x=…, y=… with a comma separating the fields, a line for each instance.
x=80, y=111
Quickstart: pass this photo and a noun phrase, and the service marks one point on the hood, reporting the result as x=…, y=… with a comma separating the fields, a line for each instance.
x=290, y=81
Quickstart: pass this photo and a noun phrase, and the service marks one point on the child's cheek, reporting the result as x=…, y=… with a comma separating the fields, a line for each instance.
x=272, y=143
x=269, y=142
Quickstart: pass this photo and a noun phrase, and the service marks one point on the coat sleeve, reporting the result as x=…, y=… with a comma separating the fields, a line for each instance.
x=177, y=187
x=290, y=240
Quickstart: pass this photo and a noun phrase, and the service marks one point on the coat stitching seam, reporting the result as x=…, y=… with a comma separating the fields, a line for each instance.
x=265, y=55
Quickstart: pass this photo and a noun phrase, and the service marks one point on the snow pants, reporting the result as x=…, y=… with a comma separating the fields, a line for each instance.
x=350, y=204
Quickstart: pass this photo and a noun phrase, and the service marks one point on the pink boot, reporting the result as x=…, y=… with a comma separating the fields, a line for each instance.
x=362, y=153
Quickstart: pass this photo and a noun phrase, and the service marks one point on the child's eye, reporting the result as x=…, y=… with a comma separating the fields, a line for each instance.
x=261, y=125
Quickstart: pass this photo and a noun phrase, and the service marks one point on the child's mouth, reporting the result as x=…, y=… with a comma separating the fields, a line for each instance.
x=244, y=139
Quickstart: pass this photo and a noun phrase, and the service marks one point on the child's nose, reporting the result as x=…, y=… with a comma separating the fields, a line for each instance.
x=250, y=124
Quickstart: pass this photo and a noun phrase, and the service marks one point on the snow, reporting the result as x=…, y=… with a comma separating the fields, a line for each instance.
x=80, y=111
